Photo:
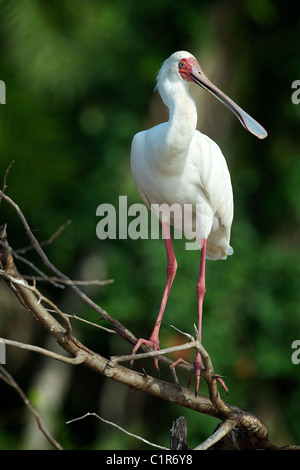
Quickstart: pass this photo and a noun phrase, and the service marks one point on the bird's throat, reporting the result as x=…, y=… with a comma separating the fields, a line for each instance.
x=182, y=123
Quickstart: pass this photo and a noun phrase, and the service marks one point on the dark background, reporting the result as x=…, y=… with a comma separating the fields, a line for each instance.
x=79, y=84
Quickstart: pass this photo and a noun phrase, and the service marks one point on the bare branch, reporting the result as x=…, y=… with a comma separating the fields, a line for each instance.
x=6, y=377
x=5, y=178
x=211, y=380
x=45, y=242
x=118, y=427
x=92, y=282
x=45, y=352
x=31, y=299
x=224, y=428
x=121, y=329
x=40, y=297
x=75, y=317
x=32, y=266
x=240, y=429
x=152, y=353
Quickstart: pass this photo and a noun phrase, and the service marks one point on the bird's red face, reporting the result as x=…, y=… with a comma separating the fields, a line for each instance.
x=190, y=71
x=188, y=67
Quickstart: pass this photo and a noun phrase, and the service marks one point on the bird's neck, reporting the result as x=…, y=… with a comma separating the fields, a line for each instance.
x=182, y=119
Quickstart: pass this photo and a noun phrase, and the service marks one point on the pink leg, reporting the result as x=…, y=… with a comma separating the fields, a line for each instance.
x=200, y=292
x=153, y=341
x=201, y=289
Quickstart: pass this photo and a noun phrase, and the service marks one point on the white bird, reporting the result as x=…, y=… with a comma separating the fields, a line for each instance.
x=173, y=163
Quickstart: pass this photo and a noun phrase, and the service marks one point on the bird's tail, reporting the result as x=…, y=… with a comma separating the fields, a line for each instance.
x=218, y=245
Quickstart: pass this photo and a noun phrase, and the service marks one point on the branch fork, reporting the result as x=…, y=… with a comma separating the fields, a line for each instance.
x=238, y=429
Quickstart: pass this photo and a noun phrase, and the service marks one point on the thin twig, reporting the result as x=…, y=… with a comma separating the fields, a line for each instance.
x=92, y=282
x=83, y=320
x=211, y=379
x=75, y=317
x=153, y=353
x=249, y=426
x=118, y=427
x=224, y=428
x=7, y=378
x=5, y=178
x=121, y=329
x=45, y=242
x=41, y=297
x=32, y=266
x=45, y=352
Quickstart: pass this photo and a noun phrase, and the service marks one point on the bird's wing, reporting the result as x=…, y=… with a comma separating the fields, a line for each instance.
x=215, y=182
x=214, y=178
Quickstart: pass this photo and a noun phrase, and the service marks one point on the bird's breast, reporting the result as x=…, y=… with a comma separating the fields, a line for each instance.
x=200, y=176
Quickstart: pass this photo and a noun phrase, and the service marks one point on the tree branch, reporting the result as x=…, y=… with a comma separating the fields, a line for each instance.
x=239, y=428
x=7, y=378
x=118, y=427
x=45, y=352
x=224, y=428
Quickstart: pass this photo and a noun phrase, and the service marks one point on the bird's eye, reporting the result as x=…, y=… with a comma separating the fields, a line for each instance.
x=182, y=65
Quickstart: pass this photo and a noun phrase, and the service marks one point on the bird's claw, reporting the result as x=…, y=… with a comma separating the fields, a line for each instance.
x=173, y=366
x=151, y=343
x=221, y=381
x=197, y=372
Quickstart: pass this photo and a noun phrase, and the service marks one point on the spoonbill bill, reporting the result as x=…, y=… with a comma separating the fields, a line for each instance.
x=174, y=163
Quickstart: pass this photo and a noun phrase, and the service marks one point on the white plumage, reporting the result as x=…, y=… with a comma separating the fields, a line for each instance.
x=173, y=163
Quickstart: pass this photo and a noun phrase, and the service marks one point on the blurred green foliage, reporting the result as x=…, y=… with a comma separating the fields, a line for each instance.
x=79, y=81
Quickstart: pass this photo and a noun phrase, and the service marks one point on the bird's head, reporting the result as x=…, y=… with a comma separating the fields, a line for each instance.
x=170, y=69
x=183, y=67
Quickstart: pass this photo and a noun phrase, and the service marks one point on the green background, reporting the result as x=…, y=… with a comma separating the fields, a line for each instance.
x=80, y=79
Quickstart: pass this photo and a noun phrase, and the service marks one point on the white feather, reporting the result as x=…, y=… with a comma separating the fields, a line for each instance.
x=173, y=163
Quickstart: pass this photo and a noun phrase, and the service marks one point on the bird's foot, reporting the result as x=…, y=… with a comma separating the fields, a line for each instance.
x=197, y=372
x=153, y=344
x=221, y=381
x=174, y=365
